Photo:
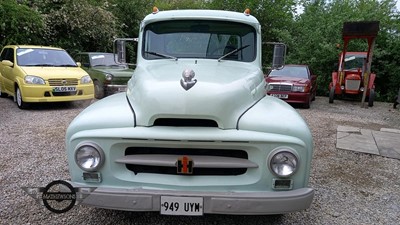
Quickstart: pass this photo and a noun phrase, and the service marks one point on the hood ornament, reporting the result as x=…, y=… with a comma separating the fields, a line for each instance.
x=187, y=80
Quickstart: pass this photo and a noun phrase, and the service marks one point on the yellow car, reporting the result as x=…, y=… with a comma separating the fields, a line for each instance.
x=42, y=74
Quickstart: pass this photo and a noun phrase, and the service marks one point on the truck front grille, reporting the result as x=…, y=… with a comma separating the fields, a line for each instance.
x=353, y=85
x=206, y=162
x=185, y=122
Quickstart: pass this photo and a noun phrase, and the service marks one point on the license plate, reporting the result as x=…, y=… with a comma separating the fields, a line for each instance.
x=64, y=89
x=123, y=89
x=185, y=206
x=282, y=96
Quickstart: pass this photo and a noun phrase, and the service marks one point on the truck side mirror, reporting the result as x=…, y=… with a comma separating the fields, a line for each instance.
x=278, y=60
x=122, y=49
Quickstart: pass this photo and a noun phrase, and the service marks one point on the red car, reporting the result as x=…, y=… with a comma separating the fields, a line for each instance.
x=293, y=84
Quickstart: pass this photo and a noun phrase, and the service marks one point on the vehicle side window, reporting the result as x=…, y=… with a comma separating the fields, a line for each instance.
x=85, y=60
x=7, y=54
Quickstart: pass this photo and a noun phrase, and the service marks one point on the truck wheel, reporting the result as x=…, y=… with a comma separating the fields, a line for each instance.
x=98, y=90
x=371, y=97
x=18, y=98
x=331, y=94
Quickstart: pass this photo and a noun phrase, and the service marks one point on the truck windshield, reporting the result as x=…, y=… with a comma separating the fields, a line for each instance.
x=354, y=62
x=199, y=39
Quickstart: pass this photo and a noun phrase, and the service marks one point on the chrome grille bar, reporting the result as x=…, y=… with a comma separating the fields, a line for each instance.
x=63, y=82
x=199, y=161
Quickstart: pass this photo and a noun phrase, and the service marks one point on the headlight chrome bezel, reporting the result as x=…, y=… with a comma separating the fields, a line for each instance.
x=299, y=88
x=86, y=79
x=80, y=156
x=109, y=77
x=290, y=153
x=32, y=79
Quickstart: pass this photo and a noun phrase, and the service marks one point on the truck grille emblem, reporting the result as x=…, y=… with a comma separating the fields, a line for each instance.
x=184, y=165
x=187, y=80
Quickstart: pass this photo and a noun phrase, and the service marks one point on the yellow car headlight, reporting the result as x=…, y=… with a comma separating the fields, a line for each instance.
x=86, y=80
x=29, y=79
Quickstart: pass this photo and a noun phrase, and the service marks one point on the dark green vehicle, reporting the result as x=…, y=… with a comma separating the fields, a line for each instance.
x=108, y=76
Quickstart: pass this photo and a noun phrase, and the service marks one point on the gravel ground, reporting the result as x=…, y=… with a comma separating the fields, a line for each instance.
x=351, y=188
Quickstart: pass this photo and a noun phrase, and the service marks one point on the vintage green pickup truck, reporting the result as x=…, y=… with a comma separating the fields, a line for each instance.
x=195, y=132
x=109, y=77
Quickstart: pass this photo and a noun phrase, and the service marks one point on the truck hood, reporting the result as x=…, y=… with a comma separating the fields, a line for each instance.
x=222, y=93
x=115, y=71
x=54, y=72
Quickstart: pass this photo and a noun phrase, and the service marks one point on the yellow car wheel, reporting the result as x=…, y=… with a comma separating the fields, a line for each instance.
x=18, y=97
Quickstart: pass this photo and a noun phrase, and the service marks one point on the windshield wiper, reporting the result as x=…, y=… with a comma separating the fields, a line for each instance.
x=42, y=65
x=162, y=55
x=232, y=52
x=66, y=65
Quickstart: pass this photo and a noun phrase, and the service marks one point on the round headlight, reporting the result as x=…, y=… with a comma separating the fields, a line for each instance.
x=89, y=157
x=283, y=163
x=109, y=77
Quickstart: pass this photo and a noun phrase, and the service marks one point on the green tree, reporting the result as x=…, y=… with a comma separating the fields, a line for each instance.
x=79, y=26
x=19, y=24
x=129, y=14
x=179, y=4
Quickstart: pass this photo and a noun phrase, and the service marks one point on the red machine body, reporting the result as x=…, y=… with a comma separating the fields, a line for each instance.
x=354, y=75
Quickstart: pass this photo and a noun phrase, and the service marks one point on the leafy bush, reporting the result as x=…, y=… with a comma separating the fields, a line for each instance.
x=19, y=24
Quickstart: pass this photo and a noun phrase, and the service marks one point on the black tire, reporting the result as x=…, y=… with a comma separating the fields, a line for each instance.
x=2, y=95
x=307, y=104
x=18, y=99
x=371, y=97
x=98, y=90
x=331, y=94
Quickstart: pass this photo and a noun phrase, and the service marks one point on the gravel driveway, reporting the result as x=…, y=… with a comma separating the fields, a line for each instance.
x=351, y=188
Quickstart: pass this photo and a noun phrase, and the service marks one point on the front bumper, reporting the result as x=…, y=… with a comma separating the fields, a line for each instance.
x=240, y=203
x=114, y=88
x=44, y=93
